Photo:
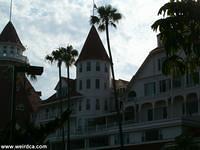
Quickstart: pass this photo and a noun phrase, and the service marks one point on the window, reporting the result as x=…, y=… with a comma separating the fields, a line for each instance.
x=105, y=85
x=12, y=52
x=97, y=85
x=164, y=112
x=64, y=91
x=106, y=105
x=152, y=135
x=4, y=53
x=97, y=104
x=88, y=66
x=150, y=114
x=160, y=113
x=88, y=84
x=192, y=79
x=80, y=68
x=177, y=82
x=150, y=89
x=79, y=106
x=160, y=63
x=97, y=66
x=165, y=85
x=87, y=104
x=105, y=68
x=20, y=107
x=46, y=113
x=80, y=84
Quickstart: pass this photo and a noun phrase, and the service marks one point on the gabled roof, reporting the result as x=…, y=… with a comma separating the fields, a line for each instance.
x=10, y=35
x=54, y=98
x=151, y=53
x=72, y=82
x=93, y=47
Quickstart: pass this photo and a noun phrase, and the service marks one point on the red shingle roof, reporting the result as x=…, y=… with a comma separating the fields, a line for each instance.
x=93, y=47
x=9, y=34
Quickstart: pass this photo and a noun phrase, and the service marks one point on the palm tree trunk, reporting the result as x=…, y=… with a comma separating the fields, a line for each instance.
x=61, y=109
x=115, y=90
x=68, y=105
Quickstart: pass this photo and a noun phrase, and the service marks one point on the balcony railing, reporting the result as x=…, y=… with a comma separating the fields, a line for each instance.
x=104, y=129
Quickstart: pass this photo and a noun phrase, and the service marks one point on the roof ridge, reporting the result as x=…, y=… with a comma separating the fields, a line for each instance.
x=93, y=47
x=9, y=35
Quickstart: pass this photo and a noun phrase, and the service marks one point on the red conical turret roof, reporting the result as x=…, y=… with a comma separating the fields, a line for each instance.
x=93, y=47
x=9, y=35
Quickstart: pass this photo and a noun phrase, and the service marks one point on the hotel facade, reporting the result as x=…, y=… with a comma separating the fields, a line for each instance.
x=156, y=108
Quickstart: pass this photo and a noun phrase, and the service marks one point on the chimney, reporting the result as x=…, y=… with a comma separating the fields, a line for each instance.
x=159, y=42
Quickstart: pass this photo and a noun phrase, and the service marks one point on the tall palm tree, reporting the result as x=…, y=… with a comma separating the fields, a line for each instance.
x=69, y=58
x=57, y=56
x=179, y=31
x=109, y=16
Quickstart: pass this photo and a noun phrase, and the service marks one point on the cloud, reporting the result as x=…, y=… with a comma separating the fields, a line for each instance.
x=44, y=26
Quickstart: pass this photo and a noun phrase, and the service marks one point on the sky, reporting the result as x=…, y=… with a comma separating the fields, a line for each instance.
x=44, y=26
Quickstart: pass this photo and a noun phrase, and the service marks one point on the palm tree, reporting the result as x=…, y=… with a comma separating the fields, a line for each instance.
x=109, y=16
x=69, y=58
x=179, y=31
x=57, y=56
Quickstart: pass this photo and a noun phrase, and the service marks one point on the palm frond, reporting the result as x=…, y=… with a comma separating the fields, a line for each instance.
x=174, y=65
x=102, y=27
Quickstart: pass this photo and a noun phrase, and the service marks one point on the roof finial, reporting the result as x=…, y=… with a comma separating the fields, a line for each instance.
x=10, y=10
x=94, y=7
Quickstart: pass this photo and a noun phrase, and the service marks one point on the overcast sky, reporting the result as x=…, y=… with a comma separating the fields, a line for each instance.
x=44, y=25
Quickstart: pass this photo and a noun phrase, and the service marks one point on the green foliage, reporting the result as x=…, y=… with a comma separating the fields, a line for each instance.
x=107, y=15
x=34, y=134
x=63, y=55
x=180, y=34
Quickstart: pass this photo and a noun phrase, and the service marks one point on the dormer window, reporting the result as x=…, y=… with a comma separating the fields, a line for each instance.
x=88, y=66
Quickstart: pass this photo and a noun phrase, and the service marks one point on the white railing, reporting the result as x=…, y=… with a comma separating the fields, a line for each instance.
x=98, y=129
x=14, y=57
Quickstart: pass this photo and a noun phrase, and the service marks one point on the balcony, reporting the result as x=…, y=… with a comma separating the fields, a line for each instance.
x=18, y=58
x=113, y=128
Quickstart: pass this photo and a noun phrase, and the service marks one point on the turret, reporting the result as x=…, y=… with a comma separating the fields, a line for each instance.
x=93, y=74
x=11, y=48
